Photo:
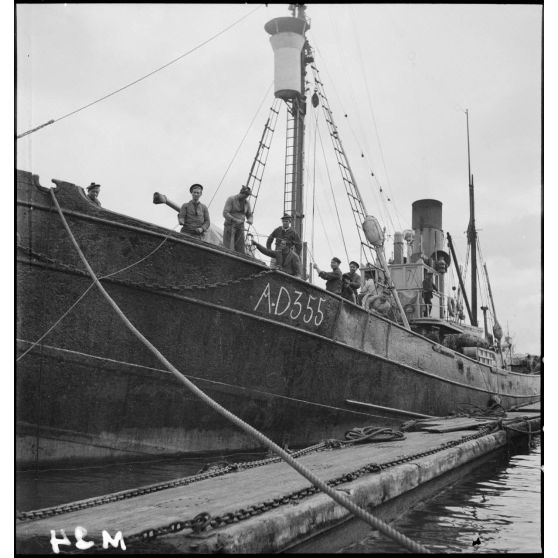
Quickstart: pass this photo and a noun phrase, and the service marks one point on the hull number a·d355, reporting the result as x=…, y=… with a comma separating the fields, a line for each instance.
x=294, y=304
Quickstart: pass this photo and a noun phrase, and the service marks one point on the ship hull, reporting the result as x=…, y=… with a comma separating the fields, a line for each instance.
x=294, y=361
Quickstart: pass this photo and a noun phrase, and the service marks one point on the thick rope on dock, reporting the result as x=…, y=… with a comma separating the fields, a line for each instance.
x=338, y=497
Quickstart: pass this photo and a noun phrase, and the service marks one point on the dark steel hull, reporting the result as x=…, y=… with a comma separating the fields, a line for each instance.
x=283, y=354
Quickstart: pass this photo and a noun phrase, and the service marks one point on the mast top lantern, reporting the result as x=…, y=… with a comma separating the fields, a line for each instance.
x=287, y=40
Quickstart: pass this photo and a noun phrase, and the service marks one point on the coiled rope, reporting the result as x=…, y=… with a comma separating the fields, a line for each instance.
x=338, y=497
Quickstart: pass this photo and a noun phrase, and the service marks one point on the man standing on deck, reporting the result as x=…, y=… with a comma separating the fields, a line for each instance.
x=285, y=232
x=428, y=287
x=285, y=258
x=369, y=288
x=346, y=289
x=93, y=193
x=334, y=278
x=237, y=210
x=354, y=278
x=193, y=215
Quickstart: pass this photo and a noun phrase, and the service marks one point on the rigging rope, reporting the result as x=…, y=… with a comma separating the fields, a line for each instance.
x=337, y=496
x=384, y=211
x=333, y=195
x=145, y=257
x=368, y=96
x=314, y=193
x=35, y=343
x=240, y=145
x=141, y=78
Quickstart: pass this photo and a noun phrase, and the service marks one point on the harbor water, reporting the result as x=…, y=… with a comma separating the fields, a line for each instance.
x=497, y=505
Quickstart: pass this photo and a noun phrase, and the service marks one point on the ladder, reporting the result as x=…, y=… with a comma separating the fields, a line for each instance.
x=255, y=175
x=351, y=188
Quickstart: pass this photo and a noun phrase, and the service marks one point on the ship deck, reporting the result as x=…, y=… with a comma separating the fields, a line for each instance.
x=256, y=510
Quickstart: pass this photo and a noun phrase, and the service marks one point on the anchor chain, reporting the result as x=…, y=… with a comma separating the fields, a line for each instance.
x=204, y=521
x=212, y=522
x=132, y=493
x=144, y=284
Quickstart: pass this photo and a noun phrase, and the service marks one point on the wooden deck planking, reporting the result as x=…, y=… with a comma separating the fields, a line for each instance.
x=230, y=492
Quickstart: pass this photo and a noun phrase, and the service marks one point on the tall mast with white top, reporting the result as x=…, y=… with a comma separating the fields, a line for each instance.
x=292, y=54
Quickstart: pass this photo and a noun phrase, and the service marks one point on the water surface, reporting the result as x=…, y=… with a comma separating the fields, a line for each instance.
x=498, y=505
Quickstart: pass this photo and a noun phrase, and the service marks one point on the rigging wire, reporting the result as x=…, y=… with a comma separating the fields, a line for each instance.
x=314, y=190
x=141, y=78
x=368, y=96
x=383, y=209
x=324, y=228
x=333, y=194
x=35, y=343
x=240, y=145
x=145, y=257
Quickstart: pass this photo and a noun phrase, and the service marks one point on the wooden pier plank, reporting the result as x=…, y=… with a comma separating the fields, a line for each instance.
x=229, y=492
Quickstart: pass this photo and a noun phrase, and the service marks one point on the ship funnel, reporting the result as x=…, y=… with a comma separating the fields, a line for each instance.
x=428, y=241
x=287, y=39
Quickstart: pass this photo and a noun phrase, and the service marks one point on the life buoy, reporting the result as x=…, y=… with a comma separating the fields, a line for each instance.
x=409, y=309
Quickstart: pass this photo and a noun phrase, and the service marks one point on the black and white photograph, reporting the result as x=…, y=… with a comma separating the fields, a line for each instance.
x=278, y=278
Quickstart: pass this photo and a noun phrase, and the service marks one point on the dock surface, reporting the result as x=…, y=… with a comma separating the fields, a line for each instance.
x=270, y=507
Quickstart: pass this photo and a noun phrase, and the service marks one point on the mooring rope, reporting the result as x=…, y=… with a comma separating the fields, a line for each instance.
x=338, y=497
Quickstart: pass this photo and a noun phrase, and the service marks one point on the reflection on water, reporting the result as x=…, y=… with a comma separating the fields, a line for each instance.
x=498, y=504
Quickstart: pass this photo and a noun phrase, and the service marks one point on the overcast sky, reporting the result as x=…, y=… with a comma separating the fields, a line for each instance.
x=402, y=74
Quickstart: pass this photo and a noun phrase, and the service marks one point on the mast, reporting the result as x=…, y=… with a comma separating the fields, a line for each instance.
x=299, y=113
x=292, y=54
x=472, y=233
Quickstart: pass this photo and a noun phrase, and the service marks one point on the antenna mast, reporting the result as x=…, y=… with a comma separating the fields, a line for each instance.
x=472, y=233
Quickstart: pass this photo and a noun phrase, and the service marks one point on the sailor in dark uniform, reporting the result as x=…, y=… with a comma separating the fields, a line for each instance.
x=334, y=278
x=285, y=258
x=285, y=231
x=93, y=193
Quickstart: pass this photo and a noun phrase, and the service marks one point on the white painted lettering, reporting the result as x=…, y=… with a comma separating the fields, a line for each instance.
x=265, y=294
x=296, y=303
x=80, y=533
x=318, y=311
x=281, y=291
x=308, y=307
x=118, y=538
x=54, y=542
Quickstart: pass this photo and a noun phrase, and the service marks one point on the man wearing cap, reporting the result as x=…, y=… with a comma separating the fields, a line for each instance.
x=354, y=278
x=334, y=278
x=347, y=291
x=285, y=258
x=93, y=193
x=285, y=231
x=193, y=215
x=428, y=287
x=237, y=210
